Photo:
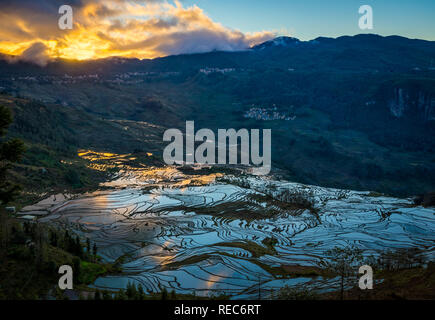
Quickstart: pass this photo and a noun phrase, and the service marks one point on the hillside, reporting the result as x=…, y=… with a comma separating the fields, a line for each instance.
x=54, y=134
x=349, y=112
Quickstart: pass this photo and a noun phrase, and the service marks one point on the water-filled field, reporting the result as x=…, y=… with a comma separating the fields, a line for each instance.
x=214, y=237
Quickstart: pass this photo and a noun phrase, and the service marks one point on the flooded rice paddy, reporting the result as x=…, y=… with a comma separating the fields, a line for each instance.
x=205, y=236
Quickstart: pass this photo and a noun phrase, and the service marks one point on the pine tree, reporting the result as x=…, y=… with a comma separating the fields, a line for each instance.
x=76, y=269
x=94, y=249
x=141, y=293
x=130, y=290
x=173, y=295
x=164, y=295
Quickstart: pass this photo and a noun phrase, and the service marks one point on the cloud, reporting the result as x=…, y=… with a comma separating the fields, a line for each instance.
x=37, y=53
x=205, y=40
x=140, y=28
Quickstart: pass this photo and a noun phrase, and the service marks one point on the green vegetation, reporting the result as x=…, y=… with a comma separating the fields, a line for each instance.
x=10, y=152
x=32, y=254
x=90, y=271
x=52, y=135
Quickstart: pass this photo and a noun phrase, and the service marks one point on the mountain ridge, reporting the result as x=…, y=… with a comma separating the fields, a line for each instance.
x=280, y=41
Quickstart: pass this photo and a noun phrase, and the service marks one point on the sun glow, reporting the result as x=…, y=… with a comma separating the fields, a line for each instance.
x=102, y=29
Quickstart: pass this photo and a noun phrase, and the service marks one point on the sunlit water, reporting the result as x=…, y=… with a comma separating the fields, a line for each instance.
x=163, y=225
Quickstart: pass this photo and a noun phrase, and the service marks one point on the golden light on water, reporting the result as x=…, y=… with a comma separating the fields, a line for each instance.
x=134, y=171
x=97, y=156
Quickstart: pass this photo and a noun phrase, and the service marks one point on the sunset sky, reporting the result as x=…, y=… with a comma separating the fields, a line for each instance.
x=153, y=28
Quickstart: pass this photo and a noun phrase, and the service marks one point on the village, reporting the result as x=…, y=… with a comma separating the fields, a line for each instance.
x=266, y=114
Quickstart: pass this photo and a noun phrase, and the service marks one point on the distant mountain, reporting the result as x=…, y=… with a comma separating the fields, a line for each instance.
x=364, y=51
x=278, y=42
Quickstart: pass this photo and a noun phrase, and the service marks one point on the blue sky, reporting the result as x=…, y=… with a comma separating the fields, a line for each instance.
x=308, y=19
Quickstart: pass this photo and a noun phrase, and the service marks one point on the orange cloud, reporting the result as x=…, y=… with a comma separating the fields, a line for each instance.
x=142, y=29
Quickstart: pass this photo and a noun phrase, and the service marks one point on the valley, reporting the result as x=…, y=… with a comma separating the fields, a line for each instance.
x=353, y=167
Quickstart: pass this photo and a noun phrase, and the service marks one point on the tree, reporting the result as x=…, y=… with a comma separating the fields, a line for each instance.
x=53, y=238
x=10, y=151
x=94, y=249
x=140, y=292
x=77, y=269
x=73, y=178
x=40, y=246
x=88, y=246
x=344, y=262
x=77, y=247
x=131, y=291
x=97, y=295
x=164, y=294
x=173, y=295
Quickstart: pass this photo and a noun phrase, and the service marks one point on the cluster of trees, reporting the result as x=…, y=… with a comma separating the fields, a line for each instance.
x=426, y=200
x=73, y=245
x=345, y=261
x=402, y=258
x=132, y=292
x=296, y=197
x=49, y=126
x=38, y=239
x=39, y=251
x=289, y=293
